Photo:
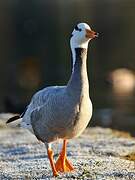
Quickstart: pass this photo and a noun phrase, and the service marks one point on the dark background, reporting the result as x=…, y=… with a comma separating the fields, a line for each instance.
x=35, y=53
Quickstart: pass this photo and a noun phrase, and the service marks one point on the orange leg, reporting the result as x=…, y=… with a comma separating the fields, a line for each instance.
x=50, y=156
x=62, y=164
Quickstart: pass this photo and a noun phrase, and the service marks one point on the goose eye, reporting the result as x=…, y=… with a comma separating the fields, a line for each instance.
x=78, y=29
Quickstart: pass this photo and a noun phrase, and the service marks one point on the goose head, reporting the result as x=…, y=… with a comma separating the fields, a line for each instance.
x=81, y=36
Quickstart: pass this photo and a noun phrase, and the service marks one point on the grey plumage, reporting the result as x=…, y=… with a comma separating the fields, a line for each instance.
x=61, y=112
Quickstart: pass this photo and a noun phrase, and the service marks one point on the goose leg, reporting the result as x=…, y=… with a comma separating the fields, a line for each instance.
x=51, y=159
x=62, y=164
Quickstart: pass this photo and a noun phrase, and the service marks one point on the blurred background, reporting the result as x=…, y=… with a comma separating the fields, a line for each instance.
x=35, y=53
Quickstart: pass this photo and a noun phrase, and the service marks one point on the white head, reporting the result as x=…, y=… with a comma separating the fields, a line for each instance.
x=81, y=36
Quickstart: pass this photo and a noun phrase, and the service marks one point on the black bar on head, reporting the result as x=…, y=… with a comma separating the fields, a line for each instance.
x=77, y=29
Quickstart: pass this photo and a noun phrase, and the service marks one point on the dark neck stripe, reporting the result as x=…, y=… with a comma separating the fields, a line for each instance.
x=80, y=54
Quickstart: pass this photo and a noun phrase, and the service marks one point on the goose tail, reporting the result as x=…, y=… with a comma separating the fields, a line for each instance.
x=14, y=118
x=14, y=121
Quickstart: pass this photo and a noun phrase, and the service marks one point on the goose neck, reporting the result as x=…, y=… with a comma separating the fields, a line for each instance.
x=79, y=78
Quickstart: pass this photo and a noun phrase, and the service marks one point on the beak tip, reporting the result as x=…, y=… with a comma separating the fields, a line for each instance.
x=97, y=34
x=91, y=34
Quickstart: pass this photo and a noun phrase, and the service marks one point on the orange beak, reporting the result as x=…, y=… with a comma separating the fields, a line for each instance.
x=91, y=34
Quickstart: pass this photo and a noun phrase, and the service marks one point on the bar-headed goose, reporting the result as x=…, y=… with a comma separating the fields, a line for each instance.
x=63, y=112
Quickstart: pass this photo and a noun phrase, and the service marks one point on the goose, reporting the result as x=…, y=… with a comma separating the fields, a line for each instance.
x=62, y=112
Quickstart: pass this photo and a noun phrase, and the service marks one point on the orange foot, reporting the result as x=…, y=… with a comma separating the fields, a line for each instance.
x=62, y=164
x=50, y=156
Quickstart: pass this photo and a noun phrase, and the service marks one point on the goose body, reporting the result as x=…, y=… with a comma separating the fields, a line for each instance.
x=63, y=112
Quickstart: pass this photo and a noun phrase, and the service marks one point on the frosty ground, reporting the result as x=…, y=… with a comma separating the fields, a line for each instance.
x=98, y=154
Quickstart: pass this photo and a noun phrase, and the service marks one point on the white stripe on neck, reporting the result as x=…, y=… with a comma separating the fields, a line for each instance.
x=73, y=59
